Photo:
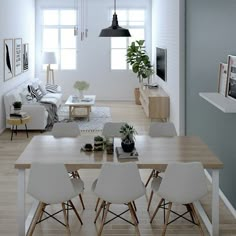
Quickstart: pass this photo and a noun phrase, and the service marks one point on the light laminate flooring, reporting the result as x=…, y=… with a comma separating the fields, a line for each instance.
x=121, y=111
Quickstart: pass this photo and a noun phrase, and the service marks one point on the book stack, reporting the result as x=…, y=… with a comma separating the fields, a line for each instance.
x=126, y=155
x=20, y=114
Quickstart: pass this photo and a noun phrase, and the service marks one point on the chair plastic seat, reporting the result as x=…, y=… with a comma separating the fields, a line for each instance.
x=78, y=185
x=155, y=184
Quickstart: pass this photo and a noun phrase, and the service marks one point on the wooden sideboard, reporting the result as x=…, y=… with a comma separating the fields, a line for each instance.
x=155, y=102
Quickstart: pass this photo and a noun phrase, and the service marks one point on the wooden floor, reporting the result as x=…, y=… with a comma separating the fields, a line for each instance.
x=121, y=111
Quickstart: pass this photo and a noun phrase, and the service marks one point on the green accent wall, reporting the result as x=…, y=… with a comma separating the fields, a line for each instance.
x=210, y=38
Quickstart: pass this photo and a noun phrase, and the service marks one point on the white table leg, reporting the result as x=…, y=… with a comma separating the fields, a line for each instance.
x=215, y=203
x=21, y=202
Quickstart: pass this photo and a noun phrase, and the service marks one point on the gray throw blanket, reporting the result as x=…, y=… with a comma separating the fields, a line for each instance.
x=52, y=113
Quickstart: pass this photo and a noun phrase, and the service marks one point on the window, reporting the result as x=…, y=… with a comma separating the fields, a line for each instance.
x=134, y=21
x=58, y=36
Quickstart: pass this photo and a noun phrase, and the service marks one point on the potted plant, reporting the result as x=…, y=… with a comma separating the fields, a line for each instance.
x=81, y=86
x=141, y=65
x=17, y=106
x=127, y=137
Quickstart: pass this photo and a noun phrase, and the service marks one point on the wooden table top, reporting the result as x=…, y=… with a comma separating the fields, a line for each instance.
x=18, y=120
x=153, y=152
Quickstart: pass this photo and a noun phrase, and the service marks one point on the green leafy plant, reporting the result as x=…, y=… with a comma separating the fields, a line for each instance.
x=81, y=85
x=17, y=104
x=128, y=133
x=139, y=60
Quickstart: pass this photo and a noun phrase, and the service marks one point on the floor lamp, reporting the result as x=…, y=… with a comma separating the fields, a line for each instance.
x=49, y=58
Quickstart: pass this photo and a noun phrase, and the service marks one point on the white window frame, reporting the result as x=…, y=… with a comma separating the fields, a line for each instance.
x=59, y=28
x=128, y=39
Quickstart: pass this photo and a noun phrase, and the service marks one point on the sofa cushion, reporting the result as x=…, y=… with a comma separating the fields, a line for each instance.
x=26, y=97
x=53, y=88
x=55, y=98
x=35, y=93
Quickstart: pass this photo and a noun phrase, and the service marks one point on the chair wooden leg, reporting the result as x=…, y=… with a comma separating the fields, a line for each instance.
x=150, y=200
x=65, y=217
x=134, y=211
x=76, y=212
x=167, y=218
x=98, y=200
x=41, y=214
x=134, y=205
x=35, y=219
x=99, y=211
x=155, y=212
x=133, y=216
x=149, y=178
x=196, y=218
x=81, y=200
x=189, y=209
x=104, y=219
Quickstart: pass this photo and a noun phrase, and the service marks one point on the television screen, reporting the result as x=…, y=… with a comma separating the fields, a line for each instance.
x=161, y=61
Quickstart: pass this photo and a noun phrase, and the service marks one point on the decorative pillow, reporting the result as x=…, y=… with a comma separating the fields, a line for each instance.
x=26, y=97
x=51, y=88
x=43, y=90
x=35, y=93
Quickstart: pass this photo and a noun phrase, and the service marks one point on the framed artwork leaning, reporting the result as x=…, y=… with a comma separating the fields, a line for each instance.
x=25, y=55
x=18, y=56
x=231, y=77
x=8, y=59
x=222, y=79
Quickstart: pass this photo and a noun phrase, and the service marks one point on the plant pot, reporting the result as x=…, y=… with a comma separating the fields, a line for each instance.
x=127, y=147
x=137, y=96
x=17, y=110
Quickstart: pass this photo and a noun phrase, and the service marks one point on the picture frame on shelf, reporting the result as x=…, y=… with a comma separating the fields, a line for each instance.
x=231, y=77
x=8, y=59
x=222, y=79
x=18, y=56
x=25, y=56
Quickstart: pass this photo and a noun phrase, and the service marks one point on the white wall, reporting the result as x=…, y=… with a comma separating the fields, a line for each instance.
x=168, y=31
x=94, y=53
x=16, y=21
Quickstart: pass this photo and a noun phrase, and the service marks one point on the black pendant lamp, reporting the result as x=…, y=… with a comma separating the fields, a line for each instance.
x=114, y=30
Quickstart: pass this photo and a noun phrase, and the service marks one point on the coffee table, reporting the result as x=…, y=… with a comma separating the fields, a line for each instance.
x=76, y=103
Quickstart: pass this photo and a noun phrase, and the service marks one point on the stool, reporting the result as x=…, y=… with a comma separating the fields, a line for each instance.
x=14, y=121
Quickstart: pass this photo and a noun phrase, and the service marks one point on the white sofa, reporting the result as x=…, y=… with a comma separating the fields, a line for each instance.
x=35, y=109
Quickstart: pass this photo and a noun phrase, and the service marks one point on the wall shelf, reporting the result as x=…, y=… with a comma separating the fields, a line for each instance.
x=225, y=104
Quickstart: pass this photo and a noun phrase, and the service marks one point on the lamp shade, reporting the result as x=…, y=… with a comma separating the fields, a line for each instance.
x=115, y=30
x=49, y=58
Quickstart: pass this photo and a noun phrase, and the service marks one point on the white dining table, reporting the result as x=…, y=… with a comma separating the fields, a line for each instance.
x=153, y=153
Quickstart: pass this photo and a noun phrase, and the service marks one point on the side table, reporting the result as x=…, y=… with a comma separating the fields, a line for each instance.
x=14, y=121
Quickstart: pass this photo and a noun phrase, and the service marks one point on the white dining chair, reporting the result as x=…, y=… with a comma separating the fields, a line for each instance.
x=71, y=130
x=183, y=183
x=65, y=129
x=49, y=183
x=159, y=129
x=112, y=129
x=118, y=183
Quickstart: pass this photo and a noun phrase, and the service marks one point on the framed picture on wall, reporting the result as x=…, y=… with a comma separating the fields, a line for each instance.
x=231, y=77
x=222, y=79
x=8, y=59
x=18, y=56
x=25, y=55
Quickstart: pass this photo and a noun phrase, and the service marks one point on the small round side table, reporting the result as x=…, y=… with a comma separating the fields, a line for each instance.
x=14, y=121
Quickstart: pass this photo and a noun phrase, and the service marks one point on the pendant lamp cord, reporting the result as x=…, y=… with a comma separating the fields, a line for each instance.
x=114, y=6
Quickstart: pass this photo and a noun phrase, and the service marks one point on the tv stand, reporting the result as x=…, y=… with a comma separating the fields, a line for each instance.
x=155, y=102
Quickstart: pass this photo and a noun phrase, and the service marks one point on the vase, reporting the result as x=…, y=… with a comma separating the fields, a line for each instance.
x=127, y=147
x=81, y=94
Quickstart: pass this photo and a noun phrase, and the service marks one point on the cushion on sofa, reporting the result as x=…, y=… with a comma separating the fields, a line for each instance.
x=53, y=88
x=35, y=93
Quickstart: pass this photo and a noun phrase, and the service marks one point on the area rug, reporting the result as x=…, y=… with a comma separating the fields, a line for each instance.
x=98, y=117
